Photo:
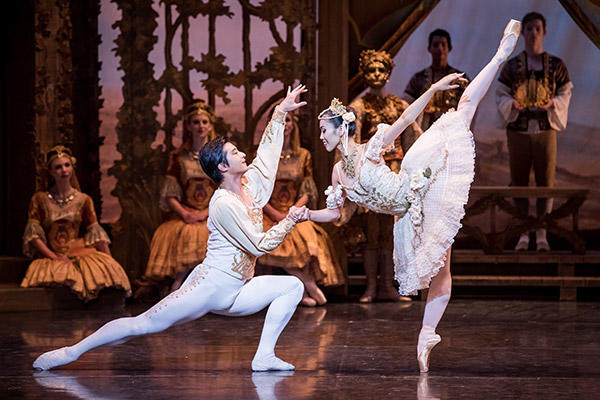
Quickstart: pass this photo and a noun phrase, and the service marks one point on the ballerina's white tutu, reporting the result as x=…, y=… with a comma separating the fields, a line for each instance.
x=428, y=196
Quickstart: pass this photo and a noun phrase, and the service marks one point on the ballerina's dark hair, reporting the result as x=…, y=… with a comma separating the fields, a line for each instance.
x=211, y=155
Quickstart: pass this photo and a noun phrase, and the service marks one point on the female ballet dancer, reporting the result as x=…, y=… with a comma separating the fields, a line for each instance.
x=224, y=284
x=427, y=196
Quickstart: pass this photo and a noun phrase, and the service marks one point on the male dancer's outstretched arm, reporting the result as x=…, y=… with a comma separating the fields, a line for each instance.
x=263, y=170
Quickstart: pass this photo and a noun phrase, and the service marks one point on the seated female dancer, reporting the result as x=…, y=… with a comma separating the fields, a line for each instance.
x=179, y=244
x=224, y=283
x=63, y=257
x=427, y=195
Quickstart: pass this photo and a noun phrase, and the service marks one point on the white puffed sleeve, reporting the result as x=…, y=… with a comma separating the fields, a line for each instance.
x=559, y=112
x=504, y=102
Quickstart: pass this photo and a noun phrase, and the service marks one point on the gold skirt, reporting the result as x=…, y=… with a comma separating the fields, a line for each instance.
x=88, y=272
x=305, y=243
x=176, y=247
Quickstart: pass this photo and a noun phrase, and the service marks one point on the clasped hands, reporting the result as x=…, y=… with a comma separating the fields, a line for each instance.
x=298, y=214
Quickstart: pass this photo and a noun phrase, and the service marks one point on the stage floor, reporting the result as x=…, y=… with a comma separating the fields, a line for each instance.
x=489, y=350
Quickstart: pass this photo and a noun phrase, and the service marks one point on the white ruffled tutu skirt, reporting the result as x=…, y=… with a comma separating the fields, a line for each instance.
x=445, y=156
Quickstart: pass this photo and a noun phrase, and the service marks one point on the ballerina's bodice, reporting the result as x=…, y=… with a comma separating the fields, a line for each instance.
x=381, y=190
x=371, y=188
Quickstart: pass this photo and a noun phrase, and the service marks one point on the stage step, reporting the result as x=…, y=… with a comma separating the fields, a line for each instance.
x=14, y=298
x=563, y=276
x=12, y=269
x=463, y=256
x=497, y=280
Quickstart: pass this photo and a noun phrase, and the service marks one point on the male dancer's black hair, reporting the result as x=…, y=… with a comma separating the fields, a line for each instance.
x=211, y=155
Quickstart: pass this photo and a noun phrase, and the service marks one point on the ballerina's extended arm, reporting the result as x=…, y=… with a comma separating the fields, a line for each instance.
x=324, y=215
x=416, y=108
x=332, y=212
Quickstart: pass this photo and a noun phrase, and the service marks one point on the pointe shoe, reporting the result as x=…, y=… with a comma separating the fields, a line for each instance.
x=423, y=357
x=514, y=27
x=508, y=44
x=270, y=363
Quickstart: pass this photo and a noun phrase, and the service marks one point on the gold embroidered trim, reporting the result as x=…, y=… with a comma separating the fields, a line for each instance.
x=275, y=235
x=278, y=117
x=254, y=213
x=243, y=264
x=196, y=277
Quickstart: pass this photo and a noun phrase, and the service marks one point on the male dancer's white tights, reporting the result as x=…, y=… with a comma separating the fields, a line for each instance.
x=205, y=290
x=441, y=285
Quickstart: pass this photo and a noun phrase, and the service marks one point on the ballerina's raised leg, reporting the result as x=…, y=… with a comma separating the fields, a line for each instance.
x=441, y=285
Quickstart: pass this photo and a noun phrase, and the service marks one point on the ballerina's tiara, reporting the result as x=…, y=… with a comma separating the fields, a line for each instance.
x=336, y=107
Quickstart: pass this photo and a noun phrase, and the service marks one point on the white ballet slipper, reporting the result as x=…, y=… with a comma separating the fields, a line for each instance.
x=270, y=363
x=53, y=359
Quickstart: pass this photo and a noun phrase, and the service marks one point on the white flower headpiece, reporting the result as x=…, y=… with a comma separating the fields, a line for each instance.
x=337, y=109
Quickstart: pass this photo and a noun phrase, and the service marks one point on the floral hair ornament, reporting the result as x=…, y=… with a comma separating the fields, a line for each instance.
x=337, y=109
x=58, y=152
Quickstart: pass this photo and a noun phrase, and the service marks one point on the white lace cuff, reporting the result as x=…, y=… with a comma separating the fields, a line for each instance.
x=335, y=197
x=276, y=235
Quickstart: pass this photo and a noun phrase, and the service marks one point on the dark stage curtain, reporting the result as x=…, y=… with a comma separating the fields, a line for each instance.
x=586, y=13
x=381, y=25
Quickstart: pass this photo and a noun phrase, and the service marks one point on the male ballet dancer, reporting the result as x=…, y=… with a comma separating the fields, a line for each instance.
x=224, y=283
